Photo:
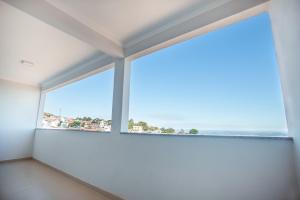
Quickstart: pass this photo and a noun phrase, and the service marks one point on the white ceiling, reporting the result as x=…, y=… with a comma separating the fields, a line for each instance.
x=125, y=21
x=26, y=32
x=25, y=37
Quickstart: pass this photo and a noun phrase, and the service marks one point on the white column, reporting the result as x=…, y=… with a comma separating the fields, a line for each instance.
x=121, y=96
x=41, y=109
x=285, y=24
x=285, y=15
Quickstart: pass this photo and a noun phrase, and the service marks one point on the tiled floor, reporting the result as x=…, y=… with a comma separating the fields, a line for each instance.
x=30, y=180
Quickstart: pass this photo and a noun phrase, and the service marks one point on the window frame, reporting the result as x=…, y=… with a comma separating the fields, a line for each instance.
x=44, y=92
x=120, y=105
x=201, y=31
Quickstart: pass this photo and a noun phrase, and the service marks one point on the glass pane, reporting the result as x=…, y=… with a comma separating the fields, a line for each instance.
x=85, y=104
x=225, y=82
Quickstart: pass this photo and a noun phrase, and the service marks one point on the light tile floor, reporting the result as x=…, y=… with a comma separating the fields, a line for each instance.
x=31, y=180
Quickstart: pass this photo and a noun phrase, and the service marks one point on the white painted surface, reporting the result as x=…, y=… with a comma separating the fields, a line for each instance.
x=51, y=50
x=139, y=167
x=45, y=31
x=143, y=167
x=166, y=31
x=62, y=21
x=285, y=15
x=18, y=112
x=41, y=107
x=127, y=20
x=121, y=96
x=81, y=71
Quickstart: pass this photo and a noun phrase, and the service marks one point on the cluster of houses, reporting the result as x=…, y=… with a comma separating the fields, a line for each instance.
x=87, y=123
x=54, y=121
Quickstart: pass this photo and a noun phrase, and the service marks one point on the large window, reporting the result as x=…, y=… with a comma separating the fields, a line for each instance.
x=84, y=105
x=224, y=82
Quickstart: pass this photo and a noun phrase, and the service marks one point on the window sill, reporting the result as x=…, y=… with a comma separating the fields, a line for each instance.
x=213, y=136
x=73, y=130
x=177, y=135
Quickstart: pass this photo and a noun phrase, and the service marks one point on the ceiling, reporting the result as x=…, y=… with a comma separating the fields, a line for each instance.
x=25, y=37
x=125, y=21
x=58, y=35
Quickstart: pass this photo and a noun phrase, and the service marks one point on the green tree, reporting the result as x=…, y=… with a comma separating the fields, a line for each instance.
x=87, y=119
x=109, y=122
x=193, y=131
x=96, y=121
x=130, y=124
x=168, y=130
x=75, y=124
x=153, y=128
x=144, y=125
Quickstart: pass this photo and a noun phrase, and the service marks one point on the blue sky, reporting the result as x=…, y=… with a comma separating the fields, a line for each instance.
x=89, y=97
x=226, y=79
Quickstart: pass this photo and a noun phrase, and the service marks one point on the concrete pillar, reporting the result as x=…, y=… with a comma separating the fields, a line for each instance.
x=121, y=96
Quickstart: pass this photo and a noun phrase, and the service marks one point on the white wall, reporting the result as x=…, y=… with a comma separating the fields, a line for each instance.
x=143, y=167
x=140, y=167
x=285, y=15
x=18, y=112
